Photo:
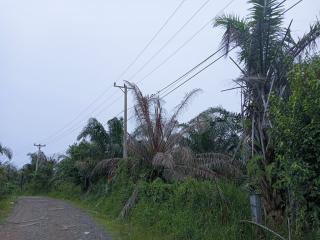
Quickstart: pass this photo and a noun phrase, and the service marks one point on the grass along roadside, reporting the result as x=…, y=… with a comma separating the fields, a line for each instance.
x=6, y=205
x=119, y=230
x=185, y=210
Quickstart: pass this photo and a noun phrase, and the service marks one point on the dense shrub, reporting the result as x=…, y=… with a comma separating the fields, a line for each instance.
x=296, y=132
x=192, y=210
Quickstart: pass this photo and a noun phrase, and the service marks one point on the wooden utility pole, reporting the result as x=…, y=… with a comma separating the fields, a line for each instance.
x=124, y=89
x=39, y=146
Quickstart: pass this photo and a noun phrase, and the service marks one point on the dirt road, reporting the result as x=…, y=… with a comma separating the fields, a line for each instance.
x=41, y=218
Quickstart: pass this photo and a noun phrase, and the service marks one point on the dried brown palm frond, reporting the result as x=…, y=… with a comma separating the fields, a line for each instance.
x=182, y=163
x=107, y=167
x=183, y=155
x=85, y=165
x=221, y=164
x=155, y=133
x=195, y=171
x=163, y=160
x=129, y=204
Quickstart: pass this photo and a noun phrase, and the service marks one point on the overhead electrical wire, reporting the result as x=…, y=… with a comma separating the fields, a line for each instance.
x=196, y=74
x=184, y=44
x=166, y=93
x=172, y=38
x=190, y=78
x=122, y=74
x=169, y=40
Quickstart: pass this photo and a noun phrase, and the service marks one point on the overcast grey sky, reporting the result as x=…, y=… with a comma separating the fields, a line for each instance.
x=57, y=56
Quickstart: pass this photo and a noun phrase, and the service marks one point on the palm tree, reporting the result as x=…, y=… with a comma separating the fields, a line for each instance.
x=266, y=52
x=5, y=151
x=214, y=130
x=158, y=142
x=156, y=133
x=97, y=135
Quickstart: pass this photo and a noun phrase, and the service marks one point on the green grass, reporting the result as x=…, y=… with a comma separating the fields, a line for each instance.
x=191, y=209
x=187, y=210
x=92, y=205
x=6, y=205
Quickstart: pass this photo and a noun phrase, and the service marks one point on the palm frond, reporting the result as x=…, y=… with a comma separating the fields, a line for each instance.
x=129, y=204
x=163, y=160
x=97, y=134
x=236, y=32
x=308, y=41
x=221, y=164
x=107, y=167
x=5, y=151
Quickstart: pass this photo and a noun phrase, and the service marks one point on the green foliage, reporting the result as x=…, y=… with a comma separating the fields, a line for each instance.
x=296, y=131
x=214, y=130
x=266, y=53
x=192, y=210
x=9, y=179
x=106, y=144
x=5, y=151
x=38, y=181
x=6, y=204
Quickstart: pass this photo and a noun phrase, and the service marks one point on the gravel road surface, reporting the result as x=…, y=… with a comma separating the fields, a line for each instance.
x=42, y=218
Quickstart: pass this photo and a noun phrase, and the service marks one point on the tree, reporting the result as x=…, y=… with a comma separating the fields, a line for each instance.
x=97, y=135
x=5, y=151
x=266, y=52
x=157, y=142
x=296, y=132
x=214, y=130
x=39, y=181
x=156, y=133
x=115, y=127
x=8, y=179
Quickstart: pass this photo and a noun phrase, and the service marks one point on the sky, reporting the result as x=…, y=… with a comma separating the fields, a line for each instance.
x=60, y=58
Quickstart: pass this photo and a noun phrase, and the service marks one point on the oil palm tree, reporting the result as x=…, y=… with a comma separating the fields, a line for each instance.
x=266, y=52
x=158, y=142
x=97, y=135
x=156, y=132
x=214, y=130
x=5, y=151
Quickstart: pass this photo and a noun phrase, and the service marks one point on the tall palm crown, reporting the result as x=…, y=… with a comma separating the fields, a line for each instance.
x=266, y=53
x=5, y=151
x=155, y=132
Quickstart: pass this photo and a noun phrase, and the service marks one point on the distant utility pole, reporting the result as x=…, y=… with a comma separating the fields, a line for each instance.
x=39, y=146
x=124, y=89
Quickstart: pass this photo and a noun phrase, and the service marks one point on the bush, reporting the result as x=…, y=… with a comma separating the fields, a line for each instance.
x=296, y=132
x=192, y=210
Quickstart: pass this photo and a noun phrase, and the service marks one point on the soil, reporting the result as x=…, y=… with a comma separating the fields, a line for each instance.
x=42, y=218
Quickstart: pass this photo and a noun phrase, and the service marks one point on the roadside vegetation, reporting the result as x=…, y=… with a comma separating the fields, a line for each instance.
x=193, y=180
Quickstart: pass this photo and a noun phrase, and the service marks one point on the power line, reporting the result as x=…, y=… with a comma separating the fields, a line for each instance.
x=77, y=125
x=77, y=116
x=175, y=52
x=184, y=44
x=158, y=52
x=152, y=39
x=207, y=66
x=187, y=80
x=188, y=72
x=122, y=74
x=190, y=78
x=169, y=40
x=292, y=7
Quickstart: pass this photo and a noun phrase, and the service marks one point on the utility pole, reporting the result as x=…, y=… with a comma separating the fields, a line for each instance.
x=124, y=89
x=39, y=146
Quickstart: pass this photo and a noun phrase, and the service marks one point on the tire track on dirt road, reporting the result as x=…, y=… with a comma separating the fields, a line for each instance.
x=42, y=218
